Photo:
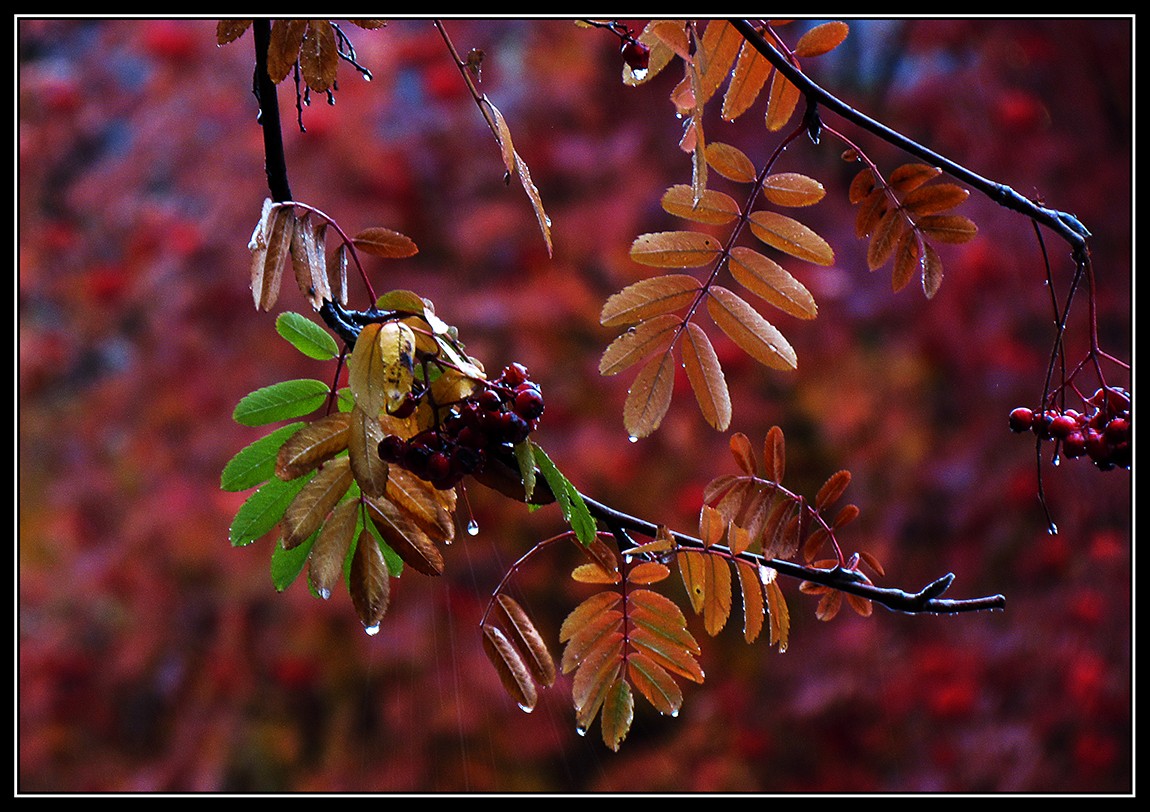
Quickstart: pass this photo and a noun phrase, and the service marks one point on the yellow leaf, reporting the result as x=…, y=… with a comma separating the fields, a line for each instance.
x=717, y=603
x=771, y=282
x=706, y=377
x=751, y=72
x=717, y=50
x=781, y=103
x=779, y=614
x=750, y=331
x=712, y=207
x=649, y=396
x=647, y=572
x=791, y=237
x=712, y=526
x=821, y=39
x=693, y=571
x=594, y=574
x=754, y=607
x=675, y=249
x=647, y=298
x=793, y=190
x=730, y=162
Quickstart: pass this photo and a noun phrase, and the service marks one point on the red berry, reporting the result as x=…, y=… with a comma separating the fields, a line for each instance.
x=1117, y=430
x=489, y=400
x=1062, y=425
x=1096, y=446
x=636, y=55
x=514, y=374
x=1021, y=419
x=391, y=448
x=1074, y=445
x=529, y=404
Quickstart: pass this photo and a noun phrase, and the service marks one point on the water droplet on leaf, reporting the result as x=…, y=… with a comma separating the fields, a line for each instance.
x=372, y=631
x=324, y=593
x=473, y=528
x=632, y=439
x=581, y=730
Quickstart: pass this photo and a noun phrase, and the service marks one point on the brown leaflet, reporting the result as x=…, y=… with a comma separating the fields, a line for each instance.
x=771, y=282
x=313, y=445
x=712, y=207
x=793, y=190
x=365, y=370
x=363, y=438
x=744, y=455
x=618, y=712
x=861, y=606
x=870, y=210
x=861, y=186
x=527, y=639
x=405, y=537
x=675, y=249
x=730, y=162
x=775, y=455
x=648, y=298
x=230, y=30
x=318, y=56
x=598, y=553
x=536, y=200
x=706, y=377
x=887, y=232
x=833, y=489
x=512, y=670
x=370, y=582
x=325, y=561
x=948, y=228
x=315, y=500
x=907, y=260
x=821, y=39
x=384, y=242
x=931, y=271
x=791, y=237
x=586, y=637
x=749, y=330
x=739, y=539
x=653, y=682
x=271, y=247
x=309, y=263
x=693, y=571
x=910, y=176
x=747, y=80
x=934, y=198
x=781, y=103
x=644, y=339
x=829, y=605
x=754, y=607
x=779, y=614
x=717, y=594
x=846, y=514
x=776, y=542
x=649, y=396
x=283, y=48
x=597, y=671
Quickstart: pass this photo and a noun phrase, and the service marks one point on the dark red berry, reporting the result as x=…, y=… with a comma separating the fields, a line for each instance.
x=438, y=467
x=489, y=400
x=1021, y=419
x=391, y=448
x=1062, y=425
x=1117, y=430
x=406, y=406
x=529, y=404
x=514, y=428
x=1096, y=446
x=1041, y=425
x=636, y=55
x=1074, y=445
x=514, y=374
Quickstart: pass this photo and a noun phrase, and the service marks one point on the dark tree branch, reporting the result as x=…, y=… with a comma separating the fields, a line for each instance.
x=1065, y=225
x=275, y=163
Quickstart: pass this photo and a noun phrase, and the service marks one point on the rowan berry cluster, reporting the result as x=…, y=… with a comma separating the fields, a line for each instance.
x=1101, y=433
x=502, y=413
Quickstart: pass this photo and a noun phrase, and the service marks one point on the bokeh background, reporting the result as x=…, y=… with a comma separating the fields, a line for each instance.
x=153, y=657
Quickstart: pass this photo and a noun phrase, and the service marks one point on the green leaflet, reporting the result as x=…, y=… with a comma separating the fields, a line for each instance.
x=570, y=500
x=263, y=509
x=306, y=336
x=280, y=401
x=256, y=463
x=525, y=456
x=288, y=564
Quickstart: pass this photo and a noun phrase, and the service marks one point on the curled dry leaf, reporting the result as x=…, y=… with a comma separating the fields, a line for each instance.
x=510, y=666
x=309, y=262
x=525, y=637
x=230, y=30
x=270, y=248
x=405, y=537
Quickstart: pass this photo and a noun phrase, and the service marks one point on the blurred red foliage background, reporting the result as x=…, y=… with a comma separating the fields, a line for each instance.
x=152, y=656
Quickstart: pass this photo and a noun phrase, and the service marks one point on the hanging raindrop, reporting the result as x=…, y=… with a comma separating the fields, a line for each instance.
x=372, y=631
x=473, y=528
